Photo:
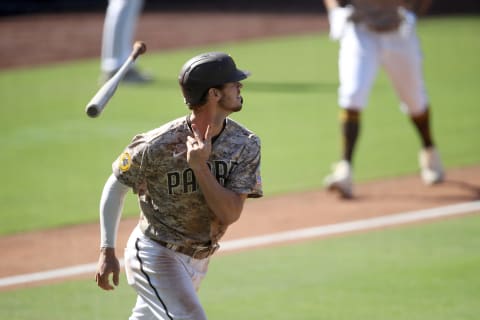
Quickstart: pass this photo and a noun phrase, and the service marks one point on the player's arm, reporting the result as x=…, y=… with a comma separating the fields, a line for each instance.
x=111, y=206
x=338, y=15
x=331, y=4
x=225, y=204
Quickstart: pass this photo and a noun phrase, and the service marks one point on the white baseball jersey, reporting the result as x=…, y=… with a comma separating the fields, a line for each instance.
x=380, y=33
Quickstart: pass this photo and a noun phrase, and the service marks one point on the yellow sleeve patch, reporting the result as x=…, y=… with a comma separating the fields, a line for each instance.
x=124, y=161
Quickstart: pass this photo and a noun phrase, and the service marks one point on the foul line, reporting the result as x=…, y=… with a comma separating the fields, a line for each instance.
x=358, y=225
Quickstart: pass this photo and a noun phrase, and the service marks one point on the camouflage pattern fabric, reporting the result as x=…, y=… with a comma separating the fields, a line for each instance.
x=173, y=208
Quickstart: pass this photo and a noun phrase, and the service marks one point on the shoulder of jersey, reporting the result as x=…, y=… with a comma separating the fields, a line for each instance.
x=167, y=131
x=239, y=129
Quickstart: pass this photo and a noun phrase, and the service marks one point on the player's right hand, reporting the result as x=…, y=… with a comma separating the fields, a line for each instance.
x=107, y=264
x=199, y=148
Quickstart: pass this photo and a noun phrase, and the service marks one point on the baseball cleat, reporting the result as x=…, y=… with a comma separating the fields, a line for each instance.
x=340, y=180
x=430, y=166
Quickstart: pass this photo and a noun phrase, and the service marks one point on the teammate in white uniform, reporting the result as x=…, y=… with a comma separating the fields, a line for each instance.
x=117, y=39
x=374, y=33
x=192, y=176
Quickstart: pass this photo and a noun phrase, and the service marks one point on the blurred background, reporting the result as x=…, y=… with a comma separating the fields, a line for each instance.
x=56, y=6
x=55, y=160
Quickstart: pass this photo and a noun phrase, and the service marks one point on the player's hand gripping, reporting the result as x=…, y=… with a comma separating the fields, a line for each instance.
x=107, y=264
x=198, y=148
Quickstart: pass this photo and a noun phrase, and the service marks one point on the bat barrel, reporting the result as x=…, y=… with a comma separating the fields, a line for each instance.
x=92, y=111
x=103, y=95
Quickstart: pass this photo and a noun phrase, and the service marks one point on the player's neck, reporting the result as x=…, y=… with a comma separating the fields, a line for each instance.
x=203, y=118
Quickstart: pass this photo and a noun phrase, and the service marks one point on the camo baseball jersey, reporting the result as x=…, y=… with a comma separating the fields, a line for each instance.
x=173, y=208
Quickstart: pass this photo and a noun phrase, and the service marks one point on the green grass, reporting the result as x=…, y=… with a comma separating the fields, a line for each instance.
x=424, y=272
x=55, y=160
x=421, y=272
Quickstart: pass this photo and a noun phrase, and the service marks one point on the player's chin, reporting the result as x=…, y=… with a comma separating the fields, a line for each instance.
x=237, y=108
x=240, y=103
x=234, y=105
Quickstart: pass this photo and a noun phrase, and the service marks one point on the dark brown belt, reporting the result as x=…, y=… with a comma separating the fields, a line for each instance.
x=194, y=252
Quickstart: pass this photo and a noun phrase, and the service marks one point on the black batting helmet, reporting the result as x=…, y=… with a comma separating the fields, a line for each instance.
x=206, y=71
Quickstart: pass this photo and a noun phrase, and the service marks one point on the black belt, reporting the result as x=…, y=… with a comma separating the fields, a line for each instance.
x=194, y=252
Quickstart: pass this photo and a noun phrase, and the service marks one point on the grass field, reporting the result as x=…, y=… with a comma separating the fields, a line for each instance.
x=56, y=160
x=423, y=272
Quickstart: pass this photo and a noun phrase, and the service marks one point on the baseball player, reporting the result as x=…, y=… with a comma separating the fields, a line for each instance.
x=191, y=176
x=374, y=33
x=118, y=32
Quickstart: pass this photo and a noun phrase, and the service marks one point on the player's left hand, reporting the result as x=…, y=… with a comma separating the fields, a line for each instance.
x=198, y=147
x=107, y=264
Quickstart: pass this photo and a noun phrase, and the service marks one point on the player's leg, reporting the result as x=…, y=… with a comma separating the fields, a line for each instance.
x=358, y=66
x=166, y=281
x=142, y=311
x=117, y=39
x=115, y=35
x=403, y=62
x=429, y=159
x=350, y=130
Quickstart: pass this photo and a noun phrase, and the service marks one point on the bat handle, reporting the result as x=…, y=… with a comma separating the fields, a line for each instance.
x=139, y=47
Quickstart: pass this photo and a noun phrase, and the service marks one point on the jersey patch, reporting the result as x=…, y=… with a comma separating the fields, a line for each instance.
x=124, y=161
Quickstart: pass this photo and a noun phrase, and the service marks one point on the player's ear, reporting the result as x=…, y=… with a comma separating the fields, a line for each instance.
x=215, y=93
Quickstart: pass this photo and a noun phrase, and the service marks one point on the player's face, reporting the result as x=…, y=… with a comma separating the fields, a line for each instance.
x=231, y=99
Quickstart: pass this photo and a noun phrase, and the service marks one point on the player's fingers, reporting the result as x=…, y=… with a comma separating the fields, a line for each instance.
x=208, y=135
x=191, y=141
x=102, y=281
x=106, y=285
x=196, y=132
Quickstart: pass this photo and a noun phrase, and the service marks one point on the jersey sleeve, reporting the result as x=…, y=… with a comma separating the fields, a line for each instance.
x=245, y=177
x=129, y=167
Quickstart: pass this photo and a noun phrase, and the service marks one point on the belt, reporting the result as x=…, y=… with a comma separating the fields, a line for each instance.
x=199, y=252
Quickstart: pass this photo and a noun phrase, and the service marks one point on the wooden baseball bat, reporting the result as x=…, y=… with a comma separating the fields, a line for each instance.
x=103, y=95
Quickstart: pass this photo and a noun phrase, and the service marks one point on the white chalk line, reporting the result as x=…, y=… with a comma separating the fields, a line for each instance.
x=293, y=235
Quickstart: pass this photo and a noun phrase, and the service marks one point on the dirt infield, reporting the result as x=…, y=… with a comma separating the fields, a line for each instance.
x=267, y=215
x=33, y=40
